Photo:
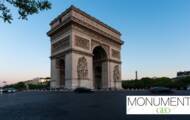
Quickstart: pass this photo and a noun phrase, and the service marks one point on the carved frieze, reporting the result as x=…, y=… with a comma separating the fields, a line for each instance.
x=95, y=24
x=115, y=54
x=62, y=44
x=116, y=73
x=82, y=68
x=82, y=42
x=97, y=37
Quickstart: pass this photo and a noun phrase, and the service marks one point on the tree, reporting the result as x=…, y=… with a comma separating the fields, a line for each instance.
x=148, y=83
x=25, y=8
x=20, y=86
x=39, y=86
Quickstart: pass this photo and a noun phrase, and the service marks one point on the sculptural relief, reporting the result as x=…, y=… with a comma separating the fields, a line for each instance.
x=116, y=73
x=82, y=68
x=82, y=42
x=62, y=44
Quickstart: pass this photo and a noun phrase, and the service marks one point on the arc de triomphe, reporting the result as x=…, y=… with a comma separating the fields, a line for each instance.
x=85, y=52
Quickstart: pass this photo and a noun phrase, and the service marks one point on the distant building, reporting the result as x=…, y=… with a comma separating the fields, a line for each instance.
x=183, y=74
x=37, y=81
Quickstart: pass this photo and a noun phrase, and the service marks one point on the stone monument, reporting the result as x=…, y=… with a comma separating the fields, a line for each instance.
x=85, y=52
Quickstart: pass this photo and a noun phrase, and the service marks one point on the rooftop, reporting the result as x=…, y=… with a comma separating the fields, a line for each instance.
x=72, y=7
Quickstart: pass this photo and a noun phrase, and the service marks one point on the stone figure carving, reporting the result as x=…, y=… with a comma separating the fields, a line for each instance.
x=62, y=44
x=116, y=74
x=82, y=68
x=82, y=42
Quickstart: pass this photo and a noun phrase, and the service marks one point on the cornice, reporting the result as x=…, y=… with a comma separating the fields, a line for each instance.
x=72, y=20
x=60, y=26
x=86, y=15
x=71, y=50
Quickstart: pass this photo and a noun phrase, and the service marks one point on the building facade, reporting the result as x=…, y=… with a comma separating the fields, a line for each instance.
x=37, y=81
x=85, y=52
x=183, y=74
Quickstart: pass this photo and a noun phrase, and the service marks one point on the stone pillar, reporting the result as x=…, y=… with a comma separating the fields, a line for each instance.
x=54, y=74
x=119, y=82
x=105, y=75
x=115, y=75
x=68, y=71
x=90, y=72
x=109, y=74
x=86, y=71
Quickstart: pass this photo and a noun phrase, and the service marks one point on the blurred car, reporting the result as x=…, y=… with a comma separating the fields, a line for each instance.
x=9, y=90
x=83, y=90
x=160, y=90
x=188, y=88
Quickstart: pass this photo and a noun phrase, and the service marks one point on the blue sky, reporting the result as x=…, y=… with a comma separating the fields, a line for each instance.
x=156, y=35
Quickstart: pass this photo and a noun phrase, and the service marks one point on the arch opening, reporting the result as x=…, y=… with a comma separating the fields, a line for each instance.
x=99, y=58
x=62, y=72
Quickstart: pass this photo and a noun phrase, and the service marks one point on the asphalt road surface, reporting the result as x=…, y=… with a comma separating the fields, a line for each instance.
x=74, y=106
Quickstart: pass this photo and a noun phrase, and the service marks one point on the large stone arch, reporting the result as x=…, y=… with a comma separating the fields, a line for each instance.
x=78, y=37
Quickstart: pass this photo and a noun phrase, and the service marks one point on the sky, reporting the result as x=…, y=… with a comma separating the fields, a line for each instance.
x=156, y=35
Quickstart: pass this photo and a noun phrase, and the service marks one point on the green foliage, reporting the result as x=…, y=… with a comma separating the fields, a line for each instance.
x=34, y=86
x=182, y=82
x=23, y=86
x=19, y=86
x=151, y=82
x=25, y=8
x=39, y=86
